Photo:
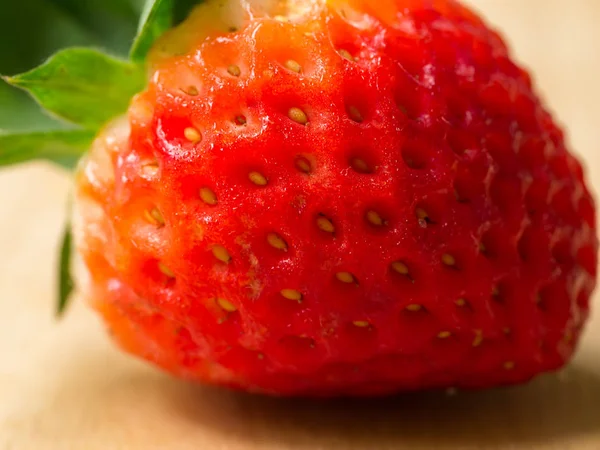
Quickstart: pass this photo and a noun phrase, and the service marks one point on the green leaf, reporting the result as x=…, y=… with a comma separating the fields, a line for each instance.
x=63, y=147
x=65, y=279
x=18, y=112
x=157, y=17
x=83, y=86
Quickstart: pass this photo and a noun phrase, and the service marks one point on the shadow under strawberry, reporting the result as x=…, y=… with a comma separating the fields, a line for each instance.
x=553, y=407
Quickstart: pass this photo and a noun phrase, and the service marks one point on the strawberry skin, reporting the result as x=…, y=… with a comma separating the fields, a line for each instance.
x=356, y=201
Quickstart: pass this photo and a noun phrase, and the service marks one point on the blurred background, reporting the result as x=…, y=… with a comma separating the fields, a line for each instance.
x=63, y=386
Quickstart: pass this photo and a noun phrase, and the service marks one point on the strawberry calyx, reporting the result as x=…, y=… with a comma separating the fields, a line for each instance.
x=84, y=89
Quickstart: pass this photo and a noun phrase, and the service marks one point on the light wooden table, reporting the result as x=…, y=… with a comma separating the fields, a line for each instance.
x=64, y=386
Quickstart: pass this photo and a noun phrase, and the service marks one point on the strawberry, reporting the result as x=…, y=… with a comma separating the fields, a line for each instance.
x=336, y=198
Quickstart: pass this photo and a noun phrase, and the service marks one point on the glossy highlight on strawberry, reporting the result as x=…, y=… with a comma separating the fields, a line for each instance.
x=339, y=200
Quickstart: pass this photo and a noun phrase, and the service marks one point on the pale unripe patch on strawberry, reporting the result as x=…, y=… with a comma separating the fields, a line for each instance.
x=217, y=17
x=208, y=196
x=98, y=165
x=277, y=241
x=298, y=116
x=192, y=135
x=257, y=178
x=221, y=253
x=140, y=113
x=291, y=294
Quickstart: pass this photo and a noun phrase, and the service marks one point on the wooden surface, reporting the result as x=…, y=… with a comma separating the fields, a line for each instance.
x=64, y=386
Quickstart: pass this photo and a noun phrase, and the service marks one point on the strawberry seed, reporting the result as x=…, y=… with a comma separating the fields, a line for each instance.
x=298, y=116
x=291, y=294
x=257, y=178
x=277, y=241
x=414, y=307
x=192, y=135
x=234, y=70
x=226, y=305
x=165, y=270
x=221, y=253
x=208, y=196
x=325, y=224
x=154, y=217
x=293, y=66
x=400, y=267
x=345, y=277
x=346, y=54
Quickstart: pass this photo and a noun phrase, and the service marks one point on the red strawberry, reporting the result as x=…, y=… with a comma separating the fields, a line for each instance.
x=350, y=199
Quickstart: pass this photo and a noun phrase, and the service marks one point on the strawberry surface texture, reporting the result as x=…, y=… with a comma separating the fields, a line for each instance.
x=338, y=198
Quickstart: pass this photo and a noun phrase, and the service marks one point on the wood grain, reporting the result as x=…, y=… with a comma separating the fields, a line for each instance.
x=64, y=386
